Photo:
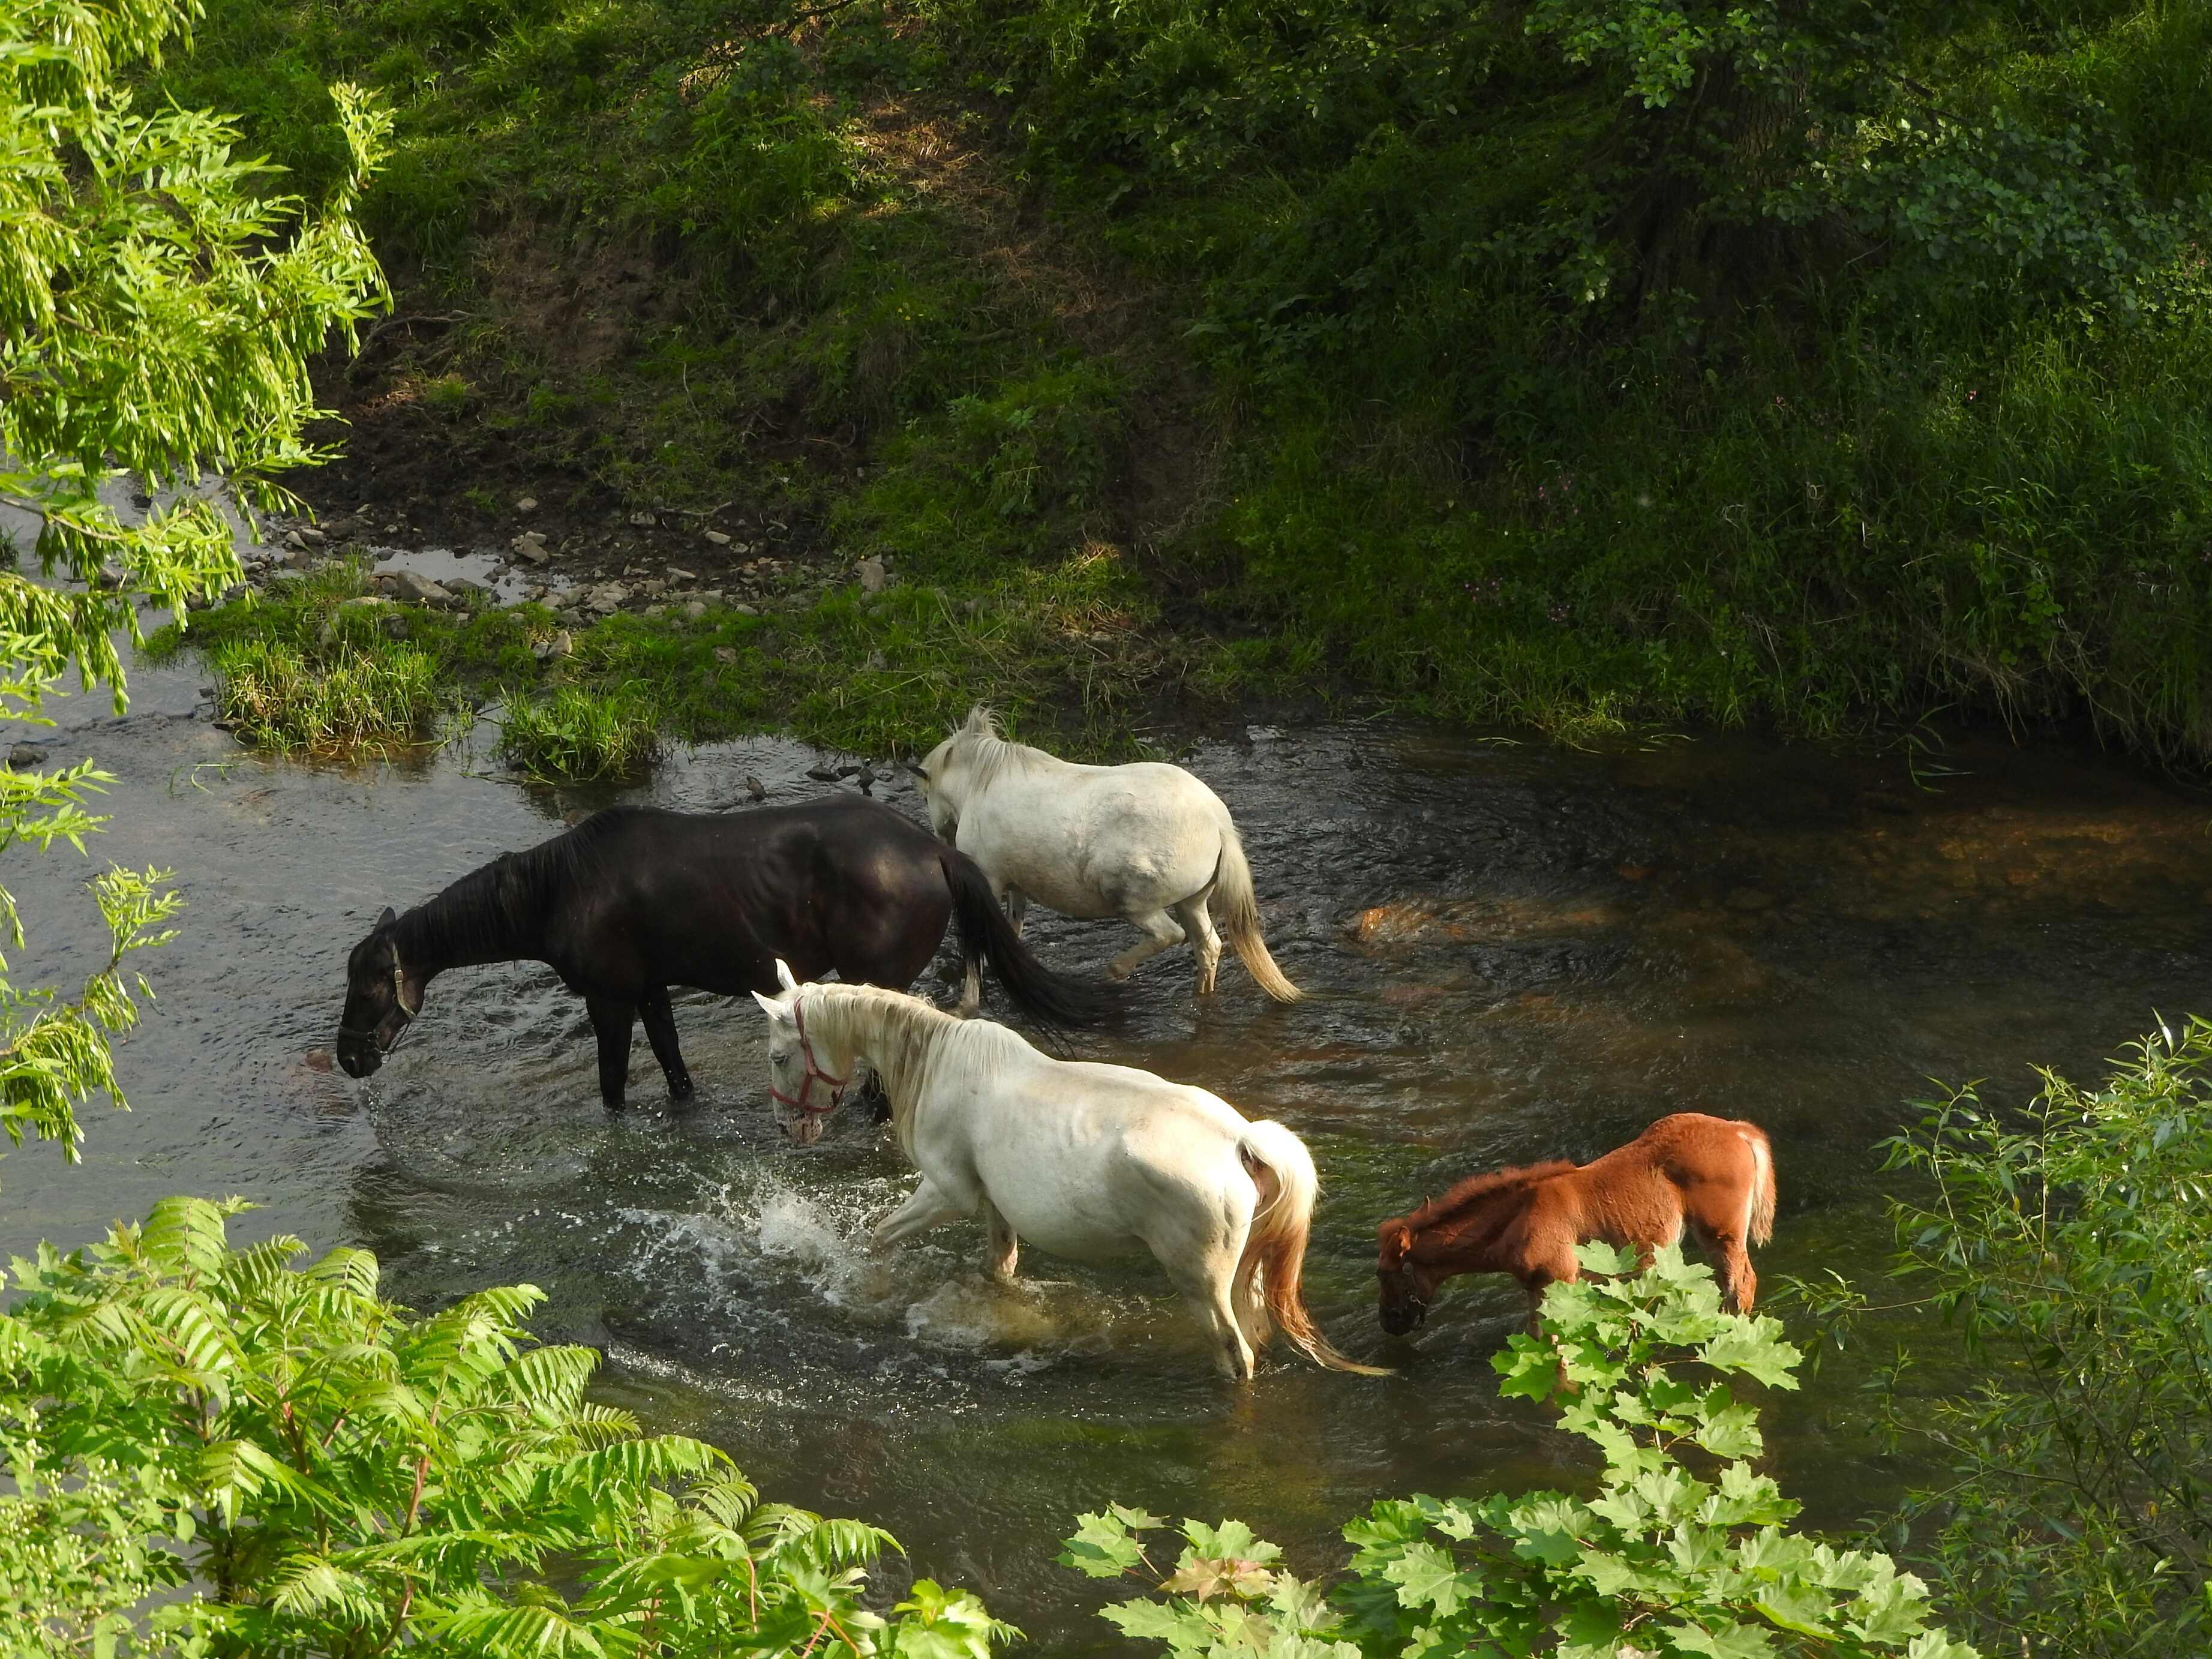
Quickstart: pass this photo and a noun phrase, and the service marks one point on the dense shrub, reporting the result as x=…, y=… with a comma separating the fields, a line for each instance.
x=216, y=1450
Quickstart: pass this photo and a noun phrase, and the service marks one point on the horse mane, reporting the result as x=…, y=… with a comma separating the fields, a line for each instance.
x=988, y=753
x=1477, y=1190
x=496, y=902
x=914, y=1044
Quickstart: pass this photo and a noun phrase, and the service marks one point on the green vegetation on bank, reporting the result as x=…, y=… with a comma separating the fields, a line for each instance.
x=2071, y=1246
x=1550, y=361
x=220, y=1451
x=1685, y=1549
x=317, y=664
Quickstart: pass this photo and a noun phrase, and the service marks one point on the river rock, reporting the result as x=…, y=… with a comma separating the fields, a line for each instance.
x=417, y=589
x=723, y=654
x=716, y=536
x=695, y=609
x=643, y=519
x=678, y=574
x=462, y=586
x=309, y=534
x=527, y=504
x=872, y=575
x=530, y=547
x=745, y=610
x=363, y=602
x=562, y=644
x=26, y=754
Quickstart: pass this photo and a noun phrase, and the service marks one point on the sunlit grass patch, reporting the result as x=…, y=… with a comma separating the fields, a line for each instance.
x=573, y=735
x=354, y=695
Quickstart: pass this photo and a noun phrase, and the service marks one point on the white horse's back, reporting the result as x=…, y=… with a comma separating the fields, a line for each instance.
x=1146, y=841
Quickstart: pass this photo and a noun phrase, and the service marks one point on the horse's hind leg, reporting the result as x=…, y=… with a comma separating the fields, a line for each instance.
x=660, y=1032
x=1205, y=1283
x=611, y=1023
x=1204, y=942
x=1161, y=934
x=1738, y=1284
x=1001, y=1249
x=1018, y=909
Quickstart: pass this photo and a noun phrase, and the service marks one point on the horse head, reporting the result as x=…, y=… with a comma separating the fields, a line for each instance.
x=1404, y=1285
x=381, y=997
x=798, y=1077
x=947, y=777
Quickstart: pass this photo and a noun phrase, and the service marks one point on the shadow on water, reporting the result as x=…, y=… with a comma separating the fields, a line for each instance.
x=1513, y=953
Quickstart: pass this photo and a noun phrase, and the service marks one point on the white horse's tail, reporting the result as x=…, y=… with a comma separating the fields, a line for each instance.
x=1240, y=916
x=1758, y=1218
x=1275, y=1248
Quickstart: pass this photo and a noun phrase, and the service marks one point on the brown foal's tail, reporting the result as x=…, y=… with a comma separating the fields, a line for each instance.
x=1283, y=1171
x=1240, y=916
x=1759, y=1220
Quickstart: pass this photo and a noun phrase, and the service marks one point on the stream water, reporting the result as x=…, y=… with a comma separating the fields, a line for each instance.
x=1514, y=953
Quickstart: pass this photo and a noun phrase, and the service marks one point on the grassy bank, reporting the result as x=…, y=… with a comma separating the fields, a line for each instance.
x=1492, y=364
x=318, y=665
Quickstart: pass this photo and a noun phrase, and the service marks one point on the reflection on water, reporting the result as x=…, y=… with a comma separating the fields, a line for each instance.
x=1513, y=954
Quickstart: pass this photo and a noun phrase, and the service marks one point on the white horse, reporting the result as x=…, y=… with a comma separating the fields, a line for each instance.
x=1085, y=1161
x=1141, y=841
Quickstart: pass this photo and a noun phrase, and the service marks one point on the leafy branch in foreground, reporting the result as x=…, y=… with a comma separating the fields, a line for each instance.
x=332, y=1476
x=1661, y=1560
x=158, y=309
x=2071, y=1247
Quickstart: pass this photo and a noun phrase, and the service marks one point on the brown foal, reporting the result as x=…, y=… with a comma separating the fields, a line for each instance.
x=1713, y=1176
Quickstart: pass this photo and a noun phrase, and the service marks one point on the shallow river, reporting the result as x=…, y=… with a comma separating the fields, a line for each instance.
x=1514, y=953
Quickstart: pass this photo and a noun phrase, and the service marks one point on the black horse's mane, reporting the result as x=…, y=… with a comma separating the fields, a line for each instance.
x=493, y=902
x=1476, y=1189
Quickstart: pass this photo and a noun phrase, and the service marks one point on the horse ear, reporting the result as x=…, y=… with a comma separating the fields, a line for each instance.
x=1404, y=1241
x=387, y=918
x=770, y=1006
x=783, y=975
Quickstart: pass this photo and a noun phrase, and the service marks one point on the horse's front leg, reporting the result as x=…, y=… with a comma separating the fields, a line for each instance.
x=1001, y=1249
x=660, y=1032
x=926, y=1208
x=611, y=1023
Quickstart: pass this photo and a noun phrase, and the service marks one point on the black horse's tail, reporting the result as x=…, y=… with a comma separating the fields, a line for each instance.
x=1056, y=999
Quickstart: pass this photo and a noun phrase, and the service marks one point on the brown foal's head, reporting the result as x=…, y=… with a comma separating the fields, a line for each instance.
x=1404, y=1284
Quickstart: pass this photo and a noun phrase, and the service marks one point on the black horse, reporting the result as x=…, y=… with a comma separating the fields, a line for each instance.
x=631, y=901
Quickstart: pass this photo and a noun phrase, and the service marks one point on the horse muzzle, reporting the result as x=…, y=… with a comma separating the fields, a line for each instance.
x=1403, y=1319
x=357, y=1058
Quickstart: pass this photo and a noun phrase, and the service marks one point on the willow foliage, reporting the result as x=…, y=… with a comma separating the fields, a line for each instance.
x=328, y=1474
x=158, y=306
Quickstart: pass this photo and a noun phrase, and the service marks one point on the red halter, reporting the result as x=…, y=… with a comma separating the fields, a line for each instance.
x=813, y=1071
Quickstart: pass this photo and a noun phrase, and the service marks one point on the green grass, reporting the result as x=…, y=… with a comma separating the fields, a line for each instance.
x=341, y=698
x=881, y=674
x=574, y=736
x=1262, y=320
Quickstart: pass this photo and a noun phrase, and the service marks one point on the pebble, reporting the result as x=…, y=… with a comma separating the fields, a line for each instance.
x=678, y=574
x=530, y=546
x=363, y=602
x=562, y=644
x=26, y=754
x=873, y=577
x=642, y=520
x=745, y=610
x=877, y=661
x=309, y=534
x=420, y=589
x=723, y=654
x=527, y=504
x=717, y=537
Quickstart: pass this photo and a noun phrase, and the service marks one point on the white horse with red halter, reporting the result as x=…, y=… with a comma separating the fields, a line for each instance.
x=1147, y=841
x=1085, y=1161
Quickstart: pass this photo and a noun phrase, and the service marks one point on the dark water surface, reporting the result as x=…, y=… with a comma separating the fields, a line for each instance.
x=1515, y=953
